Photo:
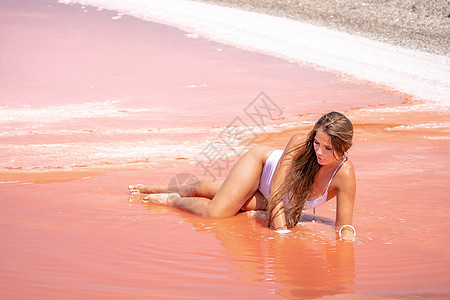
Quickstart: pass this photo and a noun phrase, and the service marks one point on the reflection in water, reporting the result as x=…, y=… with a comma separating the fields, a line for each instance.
x=308, y=262
x=309, y=269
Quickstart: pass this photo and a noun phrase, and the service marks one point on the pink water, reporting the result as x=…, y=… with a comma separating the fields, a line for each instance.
x=90, y=104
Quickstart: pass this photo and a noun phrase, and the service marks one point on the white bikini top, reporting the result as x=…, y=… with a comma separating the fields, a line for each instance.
x=310, y=204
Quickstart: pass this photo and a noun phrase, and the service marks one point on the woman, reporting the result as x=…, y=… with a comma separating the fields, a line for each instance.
x=303, y=176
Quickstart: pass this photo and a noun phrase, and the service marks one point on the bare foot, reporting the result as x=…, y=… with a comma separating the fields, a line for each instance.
x=163, y=198
x=135, y=189
x=137, y=197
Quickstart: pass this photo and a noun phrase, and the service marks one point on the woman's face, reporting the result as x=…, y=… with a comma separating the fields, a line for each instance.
x=324, y=149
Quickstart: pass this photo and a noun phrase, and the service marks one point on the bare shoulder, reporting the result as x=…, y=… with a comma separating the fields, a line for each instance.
x=344, y=183
x=346, y=174
x=294, y=142
x=297, y=139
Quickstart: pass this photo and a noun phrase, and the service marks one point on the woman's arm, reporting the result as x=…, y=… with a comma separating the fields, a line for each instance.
x=279, y=222
x=345, y=196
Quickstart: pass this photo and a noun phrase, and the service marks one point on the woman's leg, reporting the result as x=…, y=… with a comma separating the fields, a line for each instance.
x=202, y=188
x=237, y=191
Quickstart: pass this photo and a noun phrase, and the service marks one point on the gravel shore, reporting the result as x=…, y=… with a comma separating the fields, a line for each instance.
x=416, y=24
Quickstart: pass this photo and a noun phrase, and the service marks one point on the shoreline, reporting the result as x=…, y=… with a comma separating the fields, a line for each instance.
x=421, y=74
x=419, y=25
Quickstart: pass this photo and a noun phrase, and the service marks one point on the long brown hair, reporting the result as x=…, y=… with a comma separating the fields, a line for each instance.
x=304, y=166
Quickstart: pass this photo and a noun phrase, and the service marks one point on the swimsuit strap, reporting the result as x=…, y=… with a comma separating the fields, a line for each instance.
x=335, y=171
